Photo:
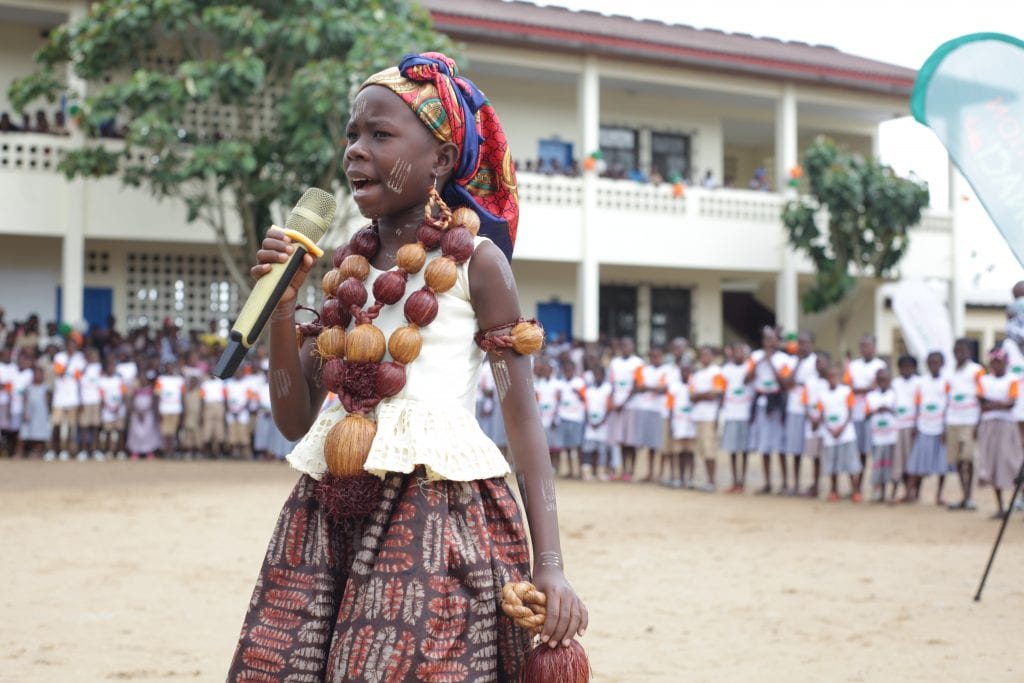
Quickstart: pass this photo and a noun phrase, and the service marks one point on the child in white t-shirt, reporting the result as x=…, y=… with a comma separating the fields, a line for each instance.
x=170, y=390
x=928, y=456
x=214, y=397
x=880, y=409
x=546, y=389
x=683, y=430
x=839, y=438
x=90, y=412
x=113, y=412
x=906, y=387
x=596, y=450
x=572, y=415
x=67, y=370
x=737, y=405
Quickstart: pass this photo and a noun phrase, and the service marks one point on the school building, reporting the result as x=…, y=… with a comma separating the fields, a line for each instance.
x=610, y=251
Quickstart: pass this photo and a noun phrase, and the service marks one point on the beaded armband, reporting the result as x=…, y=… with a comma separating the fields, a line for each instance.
x=525, y=337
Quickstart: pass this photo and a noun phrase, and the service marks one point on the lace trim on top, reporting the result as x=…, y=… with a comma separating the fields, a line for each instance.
x=442, y=437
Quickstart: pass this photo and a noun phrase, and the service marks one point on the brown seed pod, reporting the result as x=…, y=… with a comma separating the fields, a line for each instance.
x=411, y=257
x=421, y=307
x=527, y=338
x=330, y=343
x=466, y=218
x=389, y=288
x=364, y=344
x=390, y=379
x=365, y=242
x=429, y=236
x=458, y=244
x=332, y=278
x=352, y=292
x=332, y=375
x=333, y=314
x=355, y=266
x=347, y=445
x=405, y=343
x=340, y=253
x=441, y=274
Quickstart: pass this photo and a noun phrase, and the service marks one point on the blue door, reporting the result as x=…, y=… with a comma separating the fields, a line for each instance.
x=97, y=306
x=557, y=320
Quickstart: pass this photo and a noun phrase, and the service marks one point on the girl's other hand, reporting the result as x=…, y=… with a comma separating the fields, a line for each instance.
x=277, y=248
x=566, y=614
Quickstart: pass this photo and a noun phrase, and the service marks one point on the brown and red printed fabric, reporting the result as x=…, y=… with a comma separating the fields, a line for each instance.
x=410, y=593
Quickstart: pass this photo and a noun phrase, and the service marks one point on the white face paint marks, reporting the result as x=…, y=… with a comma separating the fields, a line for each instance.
x=399, y=176
x=280, y=384
x=502, y=377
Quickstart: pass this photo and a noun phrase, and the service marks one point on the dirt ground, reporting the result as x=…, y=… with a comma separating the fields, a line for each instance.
x=142, y=571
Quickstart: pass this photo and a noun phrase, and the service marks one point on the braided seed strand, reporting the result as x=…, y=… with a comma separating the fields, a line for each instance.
x=524, y=604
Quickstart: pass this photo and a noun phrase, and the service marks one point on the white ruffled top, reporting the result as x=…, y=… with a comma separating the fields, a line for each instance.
x=431, y=421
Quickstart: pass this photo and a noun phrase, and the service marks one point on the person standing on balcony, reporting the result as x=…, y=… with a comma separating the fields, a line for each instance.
x=769, y=369
x=860, y=375
x=795, y=434
x=6, y=125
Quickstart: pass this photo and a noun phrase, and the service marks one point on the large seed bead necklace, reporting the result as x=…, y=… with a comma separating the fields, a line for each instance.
x=352, y=361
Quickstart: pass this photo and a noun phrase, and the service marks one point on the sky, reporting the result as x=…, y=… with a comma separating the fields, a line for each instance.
x=903, y=32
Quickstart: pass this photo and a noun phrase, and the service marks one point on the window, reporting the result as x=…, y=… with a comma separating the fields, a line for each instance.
x=617, y=310
x=619, y=150
x=670, y=155
x=670, y=314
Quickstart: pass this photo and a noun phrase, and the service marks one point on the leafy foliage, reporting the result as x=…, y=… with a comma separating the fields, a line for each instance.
x=153, y=63
x=870, y=210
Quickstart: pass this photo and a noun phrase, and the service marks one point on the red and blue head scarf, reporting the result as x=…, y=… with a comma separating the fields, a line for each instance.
x=455, y=111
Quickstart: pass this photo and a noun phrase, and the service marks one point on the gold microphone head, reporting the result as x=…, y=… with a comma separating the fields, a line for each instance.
x=313, y=214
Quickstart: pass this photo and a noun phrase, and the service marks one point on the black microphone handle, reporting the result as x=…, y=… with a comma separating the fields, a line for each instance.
x=240, y=342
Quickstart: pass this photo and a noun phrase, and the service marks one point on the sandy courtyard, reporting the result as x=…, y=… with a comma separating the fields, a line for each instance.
x=142, y=572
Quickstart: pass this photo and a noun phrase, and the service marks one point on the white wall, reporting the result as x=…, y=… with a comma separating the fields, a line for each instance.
x=29, y=275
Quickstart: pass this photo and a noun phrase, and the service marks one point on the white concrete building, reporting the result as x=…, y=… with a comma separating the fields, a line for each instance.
x=594, y=255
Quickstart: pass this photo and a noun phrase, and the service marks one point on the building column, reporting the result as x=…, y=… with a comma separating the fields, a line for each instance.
x=73, y=243
x=786, y=157
x=707, y=312
x=589, y=286
x=957, y=300
x=73, y=257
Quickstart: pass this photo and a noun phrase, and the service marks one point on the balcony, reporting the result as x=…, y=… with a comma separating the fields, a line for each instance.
x=719, y=229
x=633, y=224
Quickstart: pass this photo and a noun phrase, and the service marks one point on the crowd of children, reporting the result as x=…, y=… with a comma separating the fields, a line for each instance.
x=68, y=396
x=864, y=431
x=63, y=396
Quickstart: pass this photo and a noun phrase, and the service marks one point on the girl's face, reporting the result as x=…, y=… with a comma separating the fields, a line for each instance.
x=934, y=365
x=997, y=365
x=907, y=370
x=391, y=157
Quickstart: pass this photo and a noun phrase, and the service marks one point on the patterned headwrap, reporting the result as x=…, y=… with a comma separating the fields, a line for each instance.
x=998, y=354
x=455, y=110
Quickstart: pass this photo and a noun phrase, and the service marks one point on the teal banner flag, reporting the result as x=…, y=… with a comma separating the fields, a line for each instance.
x=971, y=93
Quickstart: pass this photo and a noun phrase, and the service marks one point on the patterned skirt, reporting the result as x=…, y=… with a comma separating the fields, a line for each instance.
x=410, y=593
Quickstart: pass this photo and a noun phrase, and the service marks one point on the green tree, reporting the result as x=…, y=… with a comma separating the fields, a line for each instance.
x=869, y=213
x=269, y=79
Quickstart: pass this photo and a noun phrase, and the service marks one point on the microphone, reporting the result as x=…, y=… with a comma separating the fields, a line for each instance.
x=306, y=224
